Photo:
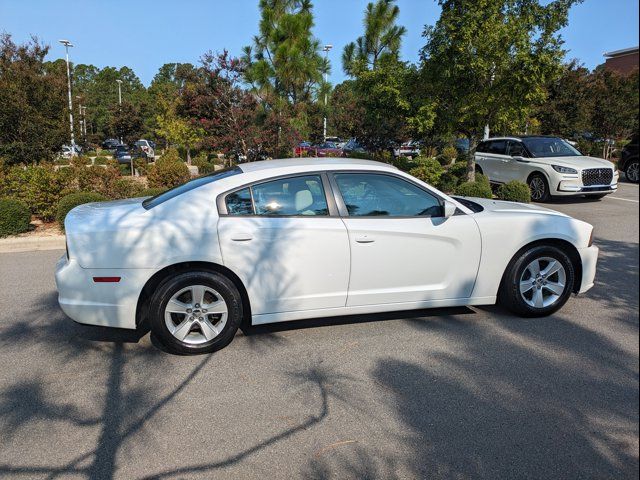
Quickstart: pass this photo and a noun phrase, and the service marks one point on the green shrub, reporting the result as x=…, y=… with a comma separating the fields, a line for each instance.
x=62, y=161
x=171, y=155
x=97, y=179
x=447, y=156
x=126, y=187
x=480, y=188
x=14, y=217
x=151, y=192
x=168, y=174
x=69, y=202
x=100, y=160
x=203, y=163
x=90, y=153
x=515, y=191
x=429, y=171
x=39, y=187
x=124, y=168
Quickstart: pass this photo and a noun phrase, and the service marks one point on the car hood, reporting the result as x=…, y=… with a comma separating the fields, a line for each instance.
x=500, y=206
x=579, y=162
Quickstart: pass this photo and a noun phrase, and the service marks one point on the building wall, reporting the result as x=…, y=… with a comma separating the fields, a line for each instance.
x=623, y=64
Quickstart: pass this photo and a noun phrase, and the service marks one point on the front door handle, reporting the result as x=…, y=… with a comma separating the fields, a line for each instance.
x=365, y=239
x=241, y=237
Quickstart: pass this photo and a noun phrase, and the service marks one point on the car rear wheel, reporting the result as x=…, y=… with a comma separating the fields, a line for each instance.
x=538, y=282
x=196, y=312
x=539, y=188
x=632, y=172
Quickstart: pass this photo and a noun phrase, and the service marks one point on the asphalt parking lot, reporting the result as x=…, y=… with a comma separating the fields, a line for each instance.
x=453, y=393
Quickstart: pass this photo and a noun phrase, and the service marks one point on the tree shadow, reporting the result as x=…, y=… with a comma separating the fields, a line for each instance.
x=533, y=398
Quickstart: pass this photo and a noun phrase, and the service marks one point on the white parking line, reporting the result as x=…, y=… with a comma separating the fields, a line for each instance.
x=624, y=199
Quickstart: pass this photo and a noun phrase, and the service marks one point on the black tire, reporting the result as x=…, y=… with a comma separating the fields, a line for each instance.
x=170, y=286
x=539, y=188
x=510, y=295
x=631, y=171
x=479, y=169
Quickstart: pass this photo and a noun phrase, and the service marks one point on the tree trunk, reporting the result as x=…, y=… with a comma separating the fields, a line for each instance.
x=471, y=160
x=188, y=156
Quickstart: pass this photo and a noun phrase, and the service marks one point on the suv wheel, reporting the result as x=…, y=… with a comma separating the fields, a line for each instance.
x=539, y=188
x=632, y=171
x=196, y=312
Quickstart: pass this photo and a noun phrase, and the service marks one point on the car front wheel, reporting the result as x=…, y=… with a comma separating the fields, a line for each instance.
x=196, y=312
x=538, y=282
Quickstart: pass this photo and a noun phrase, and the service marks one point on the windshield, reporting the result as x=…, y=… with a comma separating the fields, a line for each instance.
x=185, y=187
x=549, y=147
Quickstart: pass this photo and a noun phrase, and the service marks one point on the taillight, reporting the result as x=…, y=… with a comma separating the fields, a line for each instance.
x=106, y=279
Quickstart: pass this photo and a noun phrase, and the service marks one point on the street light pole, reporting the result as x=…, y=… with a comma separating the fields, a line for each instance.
x=68, y=44
x=325, y=49
x=120, y=97
x=119, y=91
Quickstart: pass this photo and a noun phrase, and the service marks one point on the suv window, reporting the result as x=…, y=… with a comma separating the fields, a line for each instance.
x=498, y=147
x=371, y=194
x=482, y=147
x=516, y=149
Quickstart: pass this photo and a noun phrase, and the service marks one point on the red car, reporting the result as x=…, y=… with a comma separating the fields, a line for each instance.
x=300, y=150
x=326, y=149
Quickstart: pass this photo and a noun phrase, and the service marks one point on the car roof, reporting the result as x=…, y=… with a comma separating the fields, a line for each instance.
x=320, y=163
x=520, y=137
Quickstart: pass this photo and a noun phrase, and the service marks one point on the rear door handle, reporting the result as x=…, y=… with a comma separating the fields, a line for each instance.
x=241, y=237
x=365, y=239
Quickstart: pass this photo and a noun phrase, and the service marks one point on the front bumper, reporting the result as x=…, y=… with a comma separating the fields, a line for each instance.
x=103, y=304
x=589, y=258
x=567, y=185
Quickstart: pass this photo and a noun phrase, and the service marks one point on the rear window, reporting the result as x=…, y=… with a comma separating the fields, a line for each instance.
x=186, y=187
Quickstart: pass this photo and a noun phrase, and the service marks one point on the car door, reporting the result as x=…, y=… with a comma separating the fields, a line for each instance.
x=286, y=242
x=497, y=159
x=518, y=167
x=402, y=248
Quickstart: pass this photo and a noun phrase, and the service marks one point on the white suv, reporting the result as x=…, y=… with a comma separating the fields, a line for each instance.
x=549, y=165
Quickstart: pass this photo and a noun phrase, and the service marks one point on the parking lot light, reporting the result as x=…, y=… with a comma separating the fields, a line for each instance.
x=325, y=49
x=68, y=44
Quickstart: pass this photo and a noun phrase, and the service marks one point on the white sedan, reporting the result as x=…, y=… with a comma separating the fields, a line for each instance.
x=291, y=239
x=549, y=165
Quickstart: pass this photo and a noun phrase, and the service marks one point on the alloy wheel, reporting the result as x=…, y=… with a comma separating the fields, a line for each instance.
x=196, y=314
x=538, y=188
x=543, y=282
x=632, y=172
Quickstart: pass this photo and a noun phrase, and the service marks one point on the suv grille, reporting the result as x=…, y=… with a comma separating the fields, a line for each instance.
x=597, y=176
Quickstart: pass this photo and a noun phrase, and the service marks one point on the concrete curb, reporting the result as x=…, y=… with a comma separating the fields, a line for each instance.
x=32, y=244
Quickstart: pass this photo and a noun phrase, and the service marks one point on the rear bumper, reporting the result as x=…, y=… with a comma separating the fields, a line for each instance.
x=589, y=258
x=107, y=304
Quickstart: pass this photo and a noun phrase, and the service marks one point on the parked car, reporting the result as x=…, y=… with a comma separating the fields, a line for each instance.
x=325, y=149
x=408, y=149
x=291, y=239
x=337, y=140
x=146, y=146
x=137, y=152
x=110, y=144
x=67, y=152
x=549, y=165
x=628, y=162
x=121, y=154
x=353, y=147
x=301, y=149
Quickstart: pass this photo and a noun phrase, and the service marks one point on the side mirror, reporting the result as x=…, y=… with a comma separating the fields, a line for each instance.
x=449, y=209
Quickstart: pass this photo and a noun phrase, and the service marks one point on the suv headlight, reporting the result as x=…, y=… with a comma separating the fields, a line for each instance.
x=561, y=169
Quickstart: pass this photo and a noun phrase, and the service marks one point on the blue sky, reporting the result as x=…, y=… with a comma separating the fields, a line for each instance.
x=145, y=34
